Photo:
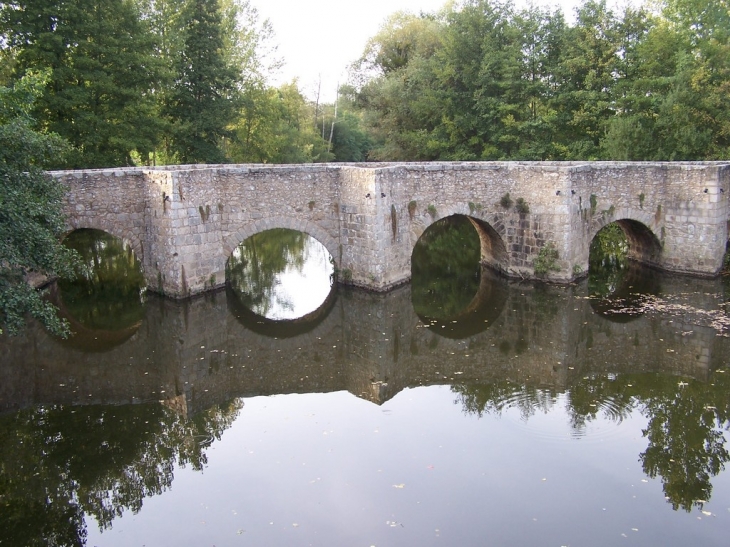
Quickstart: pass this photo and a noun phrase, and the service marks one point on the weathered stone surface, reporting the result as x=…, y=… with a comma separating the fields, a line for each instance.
x=184, y=221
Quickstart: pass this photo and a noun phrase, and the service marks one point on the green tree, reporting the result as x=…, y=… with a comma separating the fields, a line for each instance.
x=586, y=80
x=398, y=94
x=31, y=219
x=205, y=96
x=61, y=465
x=276, y=127
x=99, y=95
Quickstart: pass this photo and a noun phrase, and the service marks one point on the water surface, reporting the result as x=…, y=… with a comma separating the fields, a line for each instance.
x=506, y=414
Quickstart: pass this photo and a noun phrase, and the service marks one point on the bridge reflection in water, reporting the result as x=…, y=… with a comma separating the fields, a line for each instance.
x=116, y=418
x=207, y=350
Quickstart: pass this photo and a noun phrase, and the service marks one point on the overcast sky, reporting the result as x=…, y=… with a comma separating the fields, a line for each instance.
x=322, y=37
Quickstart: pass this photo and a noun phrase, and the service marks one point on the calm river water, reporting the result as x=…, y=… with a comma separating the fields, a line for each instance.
x=457, y=410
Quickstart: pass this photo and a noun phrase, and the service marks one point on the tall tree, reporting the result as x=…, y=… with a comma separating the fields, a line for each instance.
x=103, y=71
x=277, y=127
x=31, y=218
x=398, y=92
x=205, y=97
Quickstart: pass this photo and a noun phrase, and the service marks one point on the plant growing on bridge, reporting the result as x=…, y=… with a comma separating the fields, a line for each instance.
x=521, y=206
x=432, y=211
x=346, y=274
x=547, y=259
x=412, y=205
x=474, y=207
x=642, y=197
x=505, y=201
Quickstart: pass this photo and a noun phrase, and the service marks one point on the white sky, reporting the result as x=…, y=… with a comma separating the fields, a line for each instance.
x=322, y=37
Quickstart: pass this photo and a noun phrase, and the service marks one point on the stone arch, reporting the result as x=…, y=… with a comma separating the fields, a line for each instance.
x=640, y=229
x=271, y=223
x=494, y=252
x=126, y=235
x=493, y=249
x=492, y=236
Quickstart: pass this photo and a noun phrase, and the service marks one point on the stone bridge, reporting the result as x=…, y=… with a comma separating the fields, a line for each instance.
x=183, y=222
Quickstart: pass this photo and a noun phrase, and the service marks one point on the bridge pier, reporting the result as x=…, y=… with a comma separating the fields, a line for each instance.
x=183, y=222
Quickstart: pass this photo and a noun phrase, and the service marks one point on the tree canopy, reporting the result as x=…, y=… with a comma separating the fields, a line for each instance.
x=483, y=80
x=156, y=82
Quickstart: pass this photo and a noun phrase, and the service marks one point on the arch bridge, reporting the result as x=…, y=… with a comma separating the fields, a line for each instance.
x=183, y=222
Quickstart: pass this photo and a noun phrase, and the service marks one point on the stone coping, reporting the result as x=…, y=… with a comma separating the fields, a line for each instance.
x=572, y=166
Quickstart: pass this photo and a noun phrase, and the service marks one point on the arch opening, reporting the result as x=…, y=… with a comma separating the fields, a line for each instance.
x=450, y=290
x=625, y=239
x=620, y=274
x=105, y=303
x=281, y=274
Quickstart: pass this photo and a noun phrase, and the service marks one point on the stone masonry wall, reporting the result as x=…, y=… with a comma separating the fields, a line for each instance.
x=184, y=221
x=681, y=203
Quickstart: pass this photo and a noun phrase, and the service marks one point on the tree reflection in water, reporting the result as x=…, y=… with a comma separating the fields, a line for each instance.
x=109, y=294
x=255, y=268
x=614, y=281
x=686, y=427
x=59, y=464
x=445, y=268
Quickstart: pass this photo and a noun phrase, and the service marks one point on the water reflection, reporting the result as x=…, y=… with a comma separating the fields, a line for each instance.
x=687, y=421
x=615, y=282
x=445, y=268
x=280, y=274
x=60, y=465
x=87, y=437
x=452, y=293
x=275, y=328
x=105, y=304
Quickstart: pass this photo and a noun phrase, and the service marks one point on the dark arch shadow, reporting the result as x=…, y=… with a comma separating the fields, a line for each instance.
x=105, y=308
x=454, y=289
x=83, y=338
x=283, y=328
x=617, y=286
x=132, y=242
x=479, y=314
x=644, y=245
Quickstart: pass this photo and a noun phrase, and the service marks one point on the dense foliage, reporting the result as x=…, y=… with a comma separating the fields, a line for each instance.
x=157, y=81
x=30, y=210
x=484, y=80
